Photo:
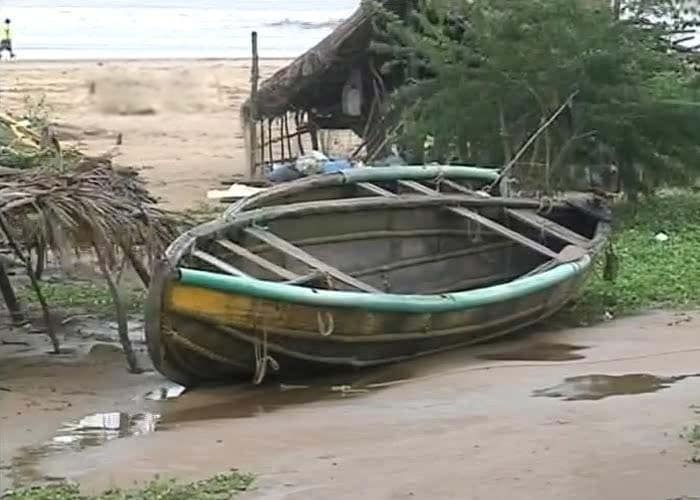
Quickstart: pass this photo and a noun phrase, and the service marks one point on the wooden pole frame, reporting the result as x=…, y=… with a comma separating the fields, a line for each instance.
x=252, y=130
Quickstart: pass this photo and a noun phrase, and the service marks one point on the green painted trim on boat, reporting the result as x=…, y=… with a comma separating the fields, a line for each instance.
x=417, y=172
x=384, y=302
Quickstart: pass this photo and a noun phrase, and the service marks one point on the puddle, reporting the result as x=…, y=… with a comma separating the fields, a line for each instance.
x=92, y=430
x=217, y=403
x=99, y=428
x=595, y=387
x=539, y=351
x=173, y=405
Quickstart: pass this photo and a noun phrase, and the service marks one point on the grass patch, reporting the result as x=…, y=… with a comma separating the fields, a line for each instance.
x=220, y=487
x=204, y=211
x=651, y=273
x=692, y=435
x=90, y=297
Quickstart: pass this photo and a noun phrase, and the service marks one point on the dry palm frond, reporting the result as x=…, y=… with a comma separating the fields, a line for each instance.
x=61, y=201
x=104, y=205
x=102, y=209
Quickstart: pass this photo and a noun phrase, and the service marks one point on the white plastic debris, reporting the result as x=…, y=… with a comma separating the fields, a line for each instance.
x=661, y=237
x=311, y=163
x=168, y=391
x=235, y=191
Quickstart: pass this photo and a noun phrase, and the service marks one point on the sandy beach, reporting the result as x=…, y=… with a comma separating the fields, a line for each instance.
x=599, y=417
x=178, y=119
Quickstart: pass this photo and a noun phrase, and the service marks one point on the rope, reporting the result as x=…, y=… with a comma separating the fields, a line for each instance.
x=477, y=234
x=325, y=328
x=202, y=351
x=255, y=225
x=329, y=281
x=427, y=323
x=546, y=205
x=438, y=179
x=550, y=209
x=386, y=284
x=260, y=350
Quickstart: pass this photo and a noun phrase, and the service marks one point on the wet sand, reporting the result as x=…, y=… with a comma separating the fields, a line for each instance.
x=179, y=119
x=599, y=416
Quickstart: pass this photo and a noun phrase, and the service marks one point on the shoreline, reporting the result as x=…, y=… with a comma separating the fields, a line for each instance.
x=144, y=60
x=179, y=119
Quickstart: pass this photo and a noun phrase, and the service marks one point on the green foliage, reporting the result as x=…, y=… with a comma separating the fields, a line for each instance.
x=480, y=76
x=87, y=296
x=692, y=435
x=36, y=111
x=203, y=211
x=651, y=273
x=220, y=487
x=12, y=158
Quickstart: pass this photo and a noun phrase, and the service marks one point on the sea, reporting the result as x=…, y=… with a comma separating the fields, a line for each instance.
x=164, y=29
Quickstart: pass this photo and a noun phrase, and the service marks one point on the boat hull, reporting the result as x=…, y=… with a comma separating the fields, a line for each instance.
x=364, y=268
x=197, y=334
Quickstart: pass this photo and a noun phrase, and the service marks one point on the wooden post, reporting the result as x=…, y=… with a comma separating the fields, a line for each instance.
x=282, y=139
x=254, y=77
x=262, y=142
x=270, y=141
x=300, y=140
x=313, y=131
x=285, y=121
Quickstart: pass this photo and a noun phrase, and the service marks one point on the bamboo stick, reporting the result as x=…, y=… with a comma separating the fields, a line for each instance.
x=254, y=77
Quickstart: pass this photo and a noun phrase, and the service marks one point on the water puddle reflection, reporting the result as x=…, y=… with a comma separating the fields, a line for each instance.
x=538, y=351
x=217, y=403
x=89, y=431
x=595, y=387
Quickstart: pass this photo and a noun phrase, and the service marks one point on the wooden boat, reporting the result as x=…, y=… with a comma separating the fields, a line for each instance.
x=361, y=268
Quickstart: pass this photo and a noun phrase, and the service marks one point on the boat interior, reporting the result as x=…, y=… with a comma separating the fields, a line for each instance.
x=343, y=238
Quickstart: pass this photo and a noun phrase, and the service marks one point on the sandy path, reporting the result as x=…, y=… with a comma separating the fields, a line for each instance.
x=462, y=427
x=179, y=119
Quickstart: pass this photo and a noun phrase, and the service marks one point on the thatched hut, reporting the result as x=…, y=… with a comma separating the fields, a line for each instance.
x=337, y=85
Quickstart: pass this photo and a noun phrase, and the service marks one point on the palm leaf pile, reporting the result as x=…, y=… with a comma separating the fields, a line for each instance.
x=73, y=211
x=64, y=205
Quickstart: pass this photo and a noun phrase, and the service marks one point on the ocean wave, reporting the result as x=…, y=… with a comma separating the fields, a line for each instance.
x=307, y=25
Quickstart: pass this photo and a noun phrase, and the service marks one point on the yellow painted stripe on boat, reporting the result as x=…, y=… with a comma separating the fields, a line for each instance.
x=292, y=320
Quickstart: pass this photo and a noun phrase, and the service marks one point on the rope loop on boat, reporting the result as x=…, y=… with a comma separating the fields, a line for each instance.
x=329, y=281
x=546, y=205
x=262, y=358
x=439, y=178
x=325, y=328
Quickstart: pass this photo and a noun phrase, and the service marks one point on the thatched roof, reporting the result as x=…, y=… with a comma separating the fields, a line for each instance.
x=315, y=79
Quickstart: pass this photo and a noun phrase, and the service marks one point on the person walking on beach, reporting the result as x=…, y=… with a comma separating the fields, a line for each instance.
x=6, y=40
